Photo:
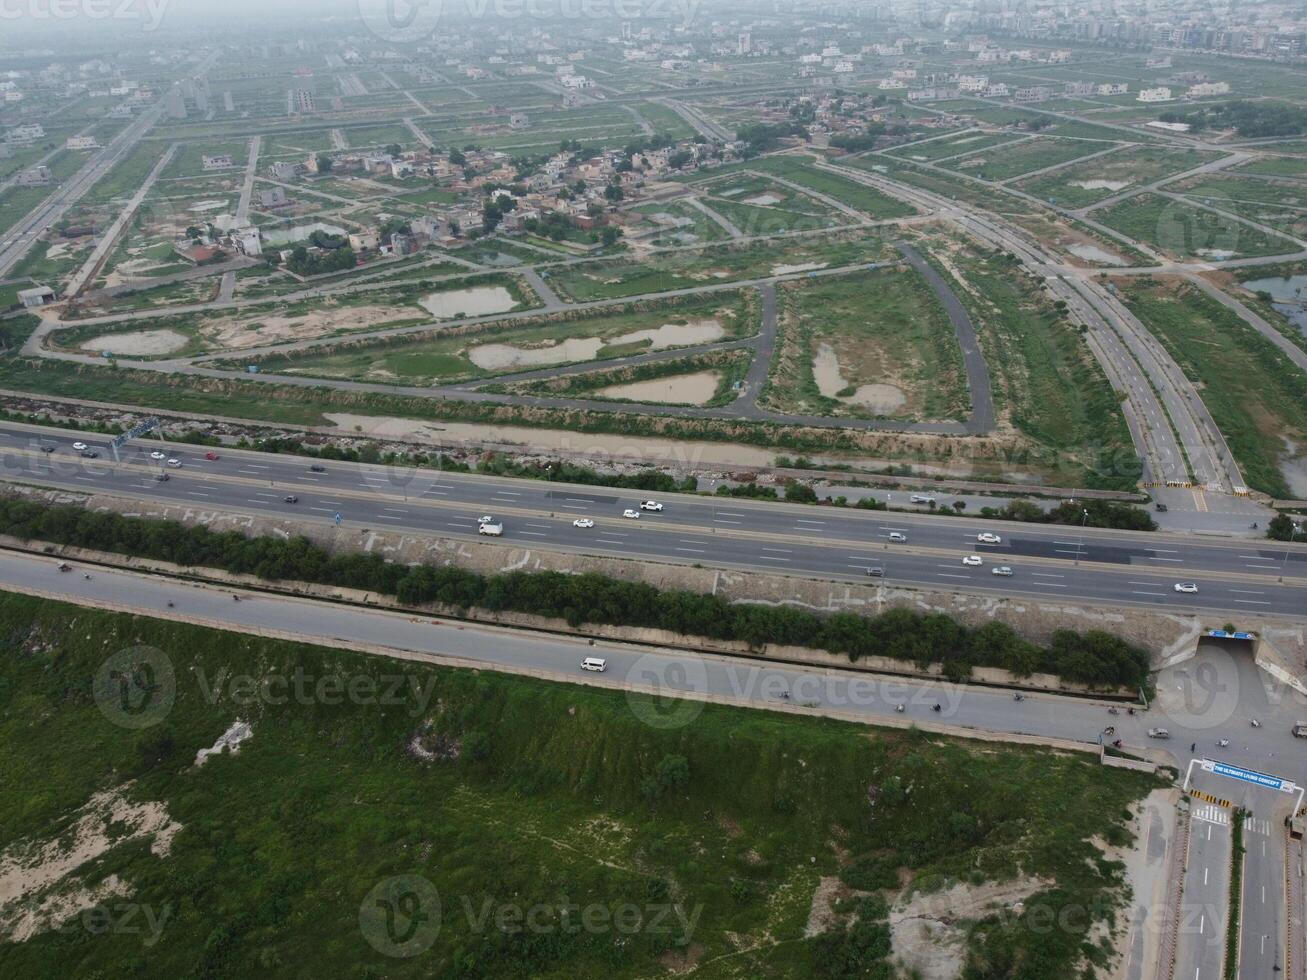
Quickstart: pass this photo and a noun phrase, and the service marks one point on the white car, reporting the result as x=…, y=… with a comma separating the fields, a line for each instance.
x=918, y=498
x=897, y=536
x=584, y=523
x=651, y=505
x=175, y=463
x=157, y=455
x=973, y=560
x=631, y=515
x=79, y=446
x=988, y=537
x=1189, y=588
x=1003, y=570
x=487, y=519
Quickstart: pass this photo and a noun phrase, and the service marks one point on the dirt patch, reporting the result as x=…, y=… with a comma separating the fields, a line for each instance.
x=141, y=342
x=822, y=916
x=687, y=389
x=230, y=739
x=926, y=930
x=36, y=890
x=230, y=333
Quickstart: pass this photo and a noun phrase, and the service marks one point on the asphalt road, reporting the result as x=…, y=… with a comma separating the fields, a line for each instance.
x=1205, y=906
x=1057, y=563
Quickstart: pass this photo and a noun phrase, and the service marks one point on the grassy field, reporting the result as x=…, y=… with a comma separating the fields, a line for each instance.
x=725, y=368
x=937, y=149
x=447, y=356
x=882, y=329
x=617, y=277
x=868, y=200
x=700, y=227
x=1046, y=381
x=1276, y=167
x=1013, y=160
x=1257, y=397
x=1185, y=232
x=1129, y=168
x=500, y=794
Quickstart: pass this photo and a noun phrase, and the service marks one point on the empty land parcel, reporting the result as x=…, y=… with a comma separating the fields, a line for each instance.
x=1083, y=184
x=867, y=344
x=469, y=353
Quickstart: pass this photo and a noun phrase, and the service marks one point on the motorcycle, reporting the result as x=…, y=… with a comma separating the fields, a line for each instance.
x=1131, y=710
x=937, y=708
x=899, y=708
x=1222, y=743
x=1113, y=711
x=1018, y=697
x=1109, y=730
x=65, y=567
x=1256, y=723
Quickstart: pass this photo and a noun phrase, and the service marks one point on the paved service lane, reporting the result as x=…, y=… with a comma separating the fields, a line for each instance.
x=1053, y=562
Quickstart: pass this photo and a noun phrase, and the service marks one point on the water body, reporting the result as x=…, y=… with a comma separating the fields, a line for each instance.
x=1287, y=296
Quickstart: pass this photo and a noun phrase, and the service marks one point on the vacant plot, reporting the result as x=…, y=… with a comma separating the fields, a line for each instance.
x=760, y=206
x=685, y=269
x=1080, y=185
x=1277, y=166
x=479, y=352
x=1257, y=397
x=868, y=200
x=708, y=380
x=972, y=141
x=868, y=344
x=1012, y=160
x=1184, y=231
x=676, y=223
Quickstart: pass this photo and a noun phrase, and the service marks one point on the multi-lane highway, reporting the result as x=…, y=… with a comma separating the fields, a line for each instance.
x=1238, y=578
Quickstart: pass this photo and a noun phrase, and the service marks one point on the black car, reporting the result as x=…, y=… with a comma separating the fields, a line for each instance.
x=47, y=449
x=90, y=454
x=292, y=499
x=315, y=468
x=162, y=477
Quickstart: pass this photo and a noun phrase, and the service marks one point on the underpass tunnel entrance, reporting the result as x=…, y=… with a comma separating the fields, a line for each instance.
x=1232, y=643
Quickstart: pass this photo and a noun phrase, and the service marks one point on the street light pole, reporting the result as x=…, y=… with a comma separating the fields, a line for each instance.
x=1293, y=532
x=1080, y=544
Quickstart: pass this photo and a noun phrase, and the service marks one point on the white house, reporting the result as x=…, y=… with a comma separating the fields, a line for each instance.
x=1113, y=88
x=1159, y=94
x=1204, y=89
x=32, y=298
x=220, y=161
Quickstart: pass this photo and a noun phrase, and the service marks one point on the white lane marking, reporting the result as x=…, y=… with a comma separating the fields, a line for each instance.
x=395, y=510
x=383, y=517
x=1047, y=575
x=534, y=534
x=693, y=551
x=322, y=510
x=1136, y=592
x=800, y=520
x=545, y=526
x=1250, y=602
x=966, y=578
x=782, y=551
x=1177, y=560
x=728, y=513
x=771, y=558
x=1246, y=592
x=509, y=493
x=1258, y=558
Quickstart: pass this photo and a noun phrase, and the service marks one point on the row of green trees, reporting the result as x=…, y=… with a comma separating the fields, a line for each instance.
x=1095, y=658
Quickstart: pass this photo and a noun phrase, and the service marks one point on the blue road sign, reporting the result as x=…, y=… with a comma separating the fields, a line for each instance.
x=1251, y=776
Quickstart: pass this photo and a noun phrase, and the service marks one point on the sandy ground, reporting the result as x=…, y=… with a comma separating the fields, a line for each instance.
x=476, y=301
x=230, y=333
x=230, y=739
x=685, y=389
x=139, y=343
x=925, y=930
x=882, y=399
x=785, y=270
x=597, y=447
x=1100, y=185
x=1146, y=870
x=36, y=889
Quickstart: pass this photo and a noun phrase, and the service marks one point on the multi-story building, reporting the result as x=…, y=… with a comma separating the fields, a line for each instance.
x=1159, y=94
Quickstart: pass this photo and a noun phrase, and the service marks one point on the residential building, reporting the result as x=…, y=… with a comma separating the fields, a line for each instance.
x=248, y=241
x=519, y=120
x=82, y=143
x=973, y=83
x=1159, y=94
x=35, y=177
x=1113, y=88
x=29, y=133
x=364, y=241
x=1206, y=89
x=219, y=161
x=1033, y=93
x=39, y=296
x=998, y=90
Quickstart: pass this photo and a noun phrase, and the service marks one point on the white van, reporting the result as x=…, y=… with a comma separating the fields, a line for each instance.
x=594, y=663
x=492, y=530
